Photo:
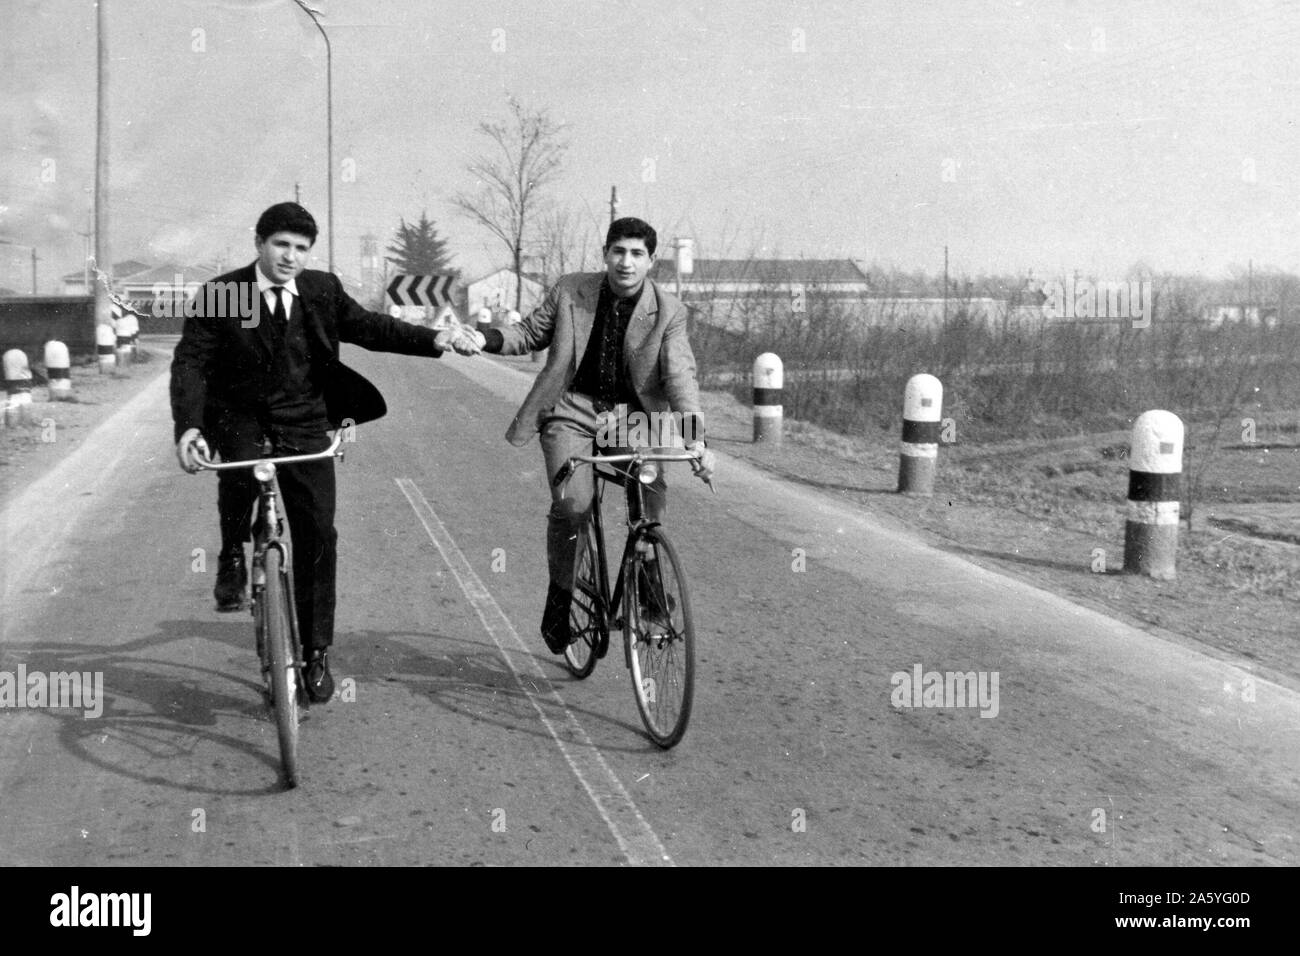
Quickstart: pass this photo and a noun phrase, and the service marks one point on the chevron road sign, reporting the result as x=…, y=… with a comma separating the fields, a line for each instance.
x=431, y=290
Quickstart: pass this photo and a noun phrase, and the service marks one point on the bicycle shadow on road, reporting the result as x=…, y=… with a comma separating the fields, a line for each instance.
x=473, y=681
x=1075, y=566
x=163, y=708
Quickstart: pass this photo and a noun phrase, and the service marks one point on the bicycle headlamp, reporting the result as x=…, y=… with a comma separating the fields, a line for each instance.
x=649, y=472
x=264, y=471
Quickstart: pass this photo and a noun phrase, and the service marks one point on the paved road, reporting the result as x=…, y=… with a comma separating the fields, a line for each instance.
x=467, y=744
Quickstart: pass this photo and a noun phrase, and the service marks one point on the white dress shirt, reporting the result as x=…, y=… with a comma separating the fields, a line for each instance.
x=266, y=287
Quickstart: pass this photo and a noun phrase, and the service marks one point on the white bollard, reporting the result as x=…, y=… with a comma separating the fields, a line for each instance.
x=483, y=319
x=105, y=339
x=58, y=370
x=769, y=377
x=1155, y=468
x=129, y=326
x=922, y=406
x=121, y=341
x=18, y=387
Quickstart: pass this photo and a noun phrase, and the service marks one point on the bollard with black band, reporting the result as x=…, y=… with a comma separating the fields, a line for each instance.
x=769, y=376
x=58, y=370
x=919, y=452
x=18, y=387
x=122, y=341
x=128, y=326
x=1155, y=472
x=105, y=340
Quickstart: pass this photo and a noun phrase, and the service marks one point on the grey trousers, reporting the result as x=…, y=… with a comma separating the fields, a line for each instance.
x=569, y=430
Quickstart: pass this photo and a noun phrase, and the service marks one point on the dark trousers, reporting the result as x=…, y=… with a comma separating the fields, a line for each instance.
x=307, y=500
x=571, y=429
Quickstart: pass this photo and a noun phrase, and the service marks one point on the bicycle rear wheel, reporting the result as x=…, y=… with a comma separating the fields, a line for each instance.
x=282, y=652
x=660, y=636
x=587, y=612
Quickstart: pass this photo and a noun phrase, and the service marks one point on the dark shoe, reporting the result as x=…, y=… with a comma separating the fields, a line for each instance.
x=316, y=675
x=555, y=619
x=232, y=582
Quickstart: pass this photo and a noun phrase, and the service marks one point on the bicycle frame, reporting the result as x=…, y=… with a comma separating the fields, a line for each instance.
x=274, y=605
x=628, y=479
x=267, y=533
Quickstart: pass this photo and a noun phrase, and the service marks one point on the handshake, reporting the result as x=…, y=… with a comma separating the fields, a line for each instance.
x=462, y=338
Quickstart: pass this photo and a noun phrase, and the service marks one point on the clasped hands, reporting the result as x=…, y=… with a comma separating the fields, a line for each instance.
x=461, y=338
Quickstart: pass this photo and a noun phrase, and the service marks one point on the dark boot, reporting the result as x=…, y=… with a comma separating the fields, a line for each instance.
x=555, y=619
x=232, y=581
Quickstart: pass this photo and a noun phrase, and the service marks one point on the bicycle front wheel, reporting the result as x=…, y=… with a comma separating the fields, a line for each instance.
x=587, y=612
x=284, y=673
x=660, y=636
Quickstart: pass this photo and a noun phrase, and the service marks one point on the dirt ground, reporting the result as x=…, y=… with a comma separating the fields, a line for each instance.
x=52, y=429
x=1052, y=513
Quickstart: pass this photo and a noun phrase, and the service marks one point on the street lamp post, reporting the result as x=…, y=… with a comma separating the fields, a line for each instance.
x=329, y=127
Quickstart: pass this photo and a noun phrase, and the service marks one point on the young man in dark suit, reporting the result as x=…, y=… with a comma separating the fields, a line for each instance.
x=618, y=352
x=259, y=359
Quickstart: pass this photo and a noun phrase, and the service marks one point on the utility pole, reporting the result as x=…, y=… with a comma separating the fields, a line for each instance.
x=1250, y=288
x=613, y=204
x=297, y=193
x=85, y=252
x=103, y=257
x=33, y=270
x=945, y=285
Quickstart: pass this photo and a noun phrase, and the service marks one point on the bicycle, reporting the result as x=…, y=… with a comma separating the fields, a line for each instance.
x=275, y=620
x=650, y=591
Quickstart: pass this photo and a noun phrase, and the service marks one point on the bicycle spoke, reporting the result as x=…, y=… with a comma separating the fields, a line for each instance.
x=661, y=635
x=586, y=617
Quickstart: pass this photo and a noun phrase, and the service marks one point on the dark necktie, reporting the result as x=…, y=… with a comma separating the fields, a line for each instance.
x=279, y=318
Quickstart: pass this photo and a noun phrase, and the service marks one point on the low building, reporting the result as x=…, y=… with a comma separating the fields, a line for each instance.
x=74, y=283
x=742, y=295
x=1217, y=315
x=496, y=293
x=719, y=279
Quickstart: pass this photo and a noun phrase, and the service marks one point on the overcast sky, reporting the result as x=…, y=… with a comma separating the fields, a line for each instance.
x=1051, y=136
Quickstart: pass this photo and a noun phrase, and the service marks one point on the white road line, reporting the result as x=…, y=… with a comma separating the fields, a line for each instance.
x=635, y=838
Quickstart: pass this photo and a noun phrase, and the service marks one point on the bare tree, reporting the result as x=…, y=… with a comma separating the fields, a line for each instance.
x=527, y=153
x=563, y=244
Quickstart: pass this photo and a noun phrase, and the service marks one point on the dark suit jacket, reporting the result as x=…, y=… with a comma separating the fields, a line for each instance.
x=658, y=354
x=223, y=366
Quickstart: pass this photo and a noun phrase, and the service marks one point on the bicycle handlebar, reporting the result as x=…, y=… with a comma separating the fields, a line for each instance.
x=633, y=456
x=329, y=452
x=566, y=469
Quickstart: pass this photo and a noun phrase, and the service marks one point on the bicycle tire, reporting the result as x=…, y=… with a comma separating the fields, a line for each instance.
x=280, y=649
x=660, y=644
x=586, y=612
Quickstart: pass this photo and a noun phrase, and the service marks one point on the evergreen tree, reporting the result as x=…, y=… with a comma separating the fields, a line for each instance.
x=418, y=250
